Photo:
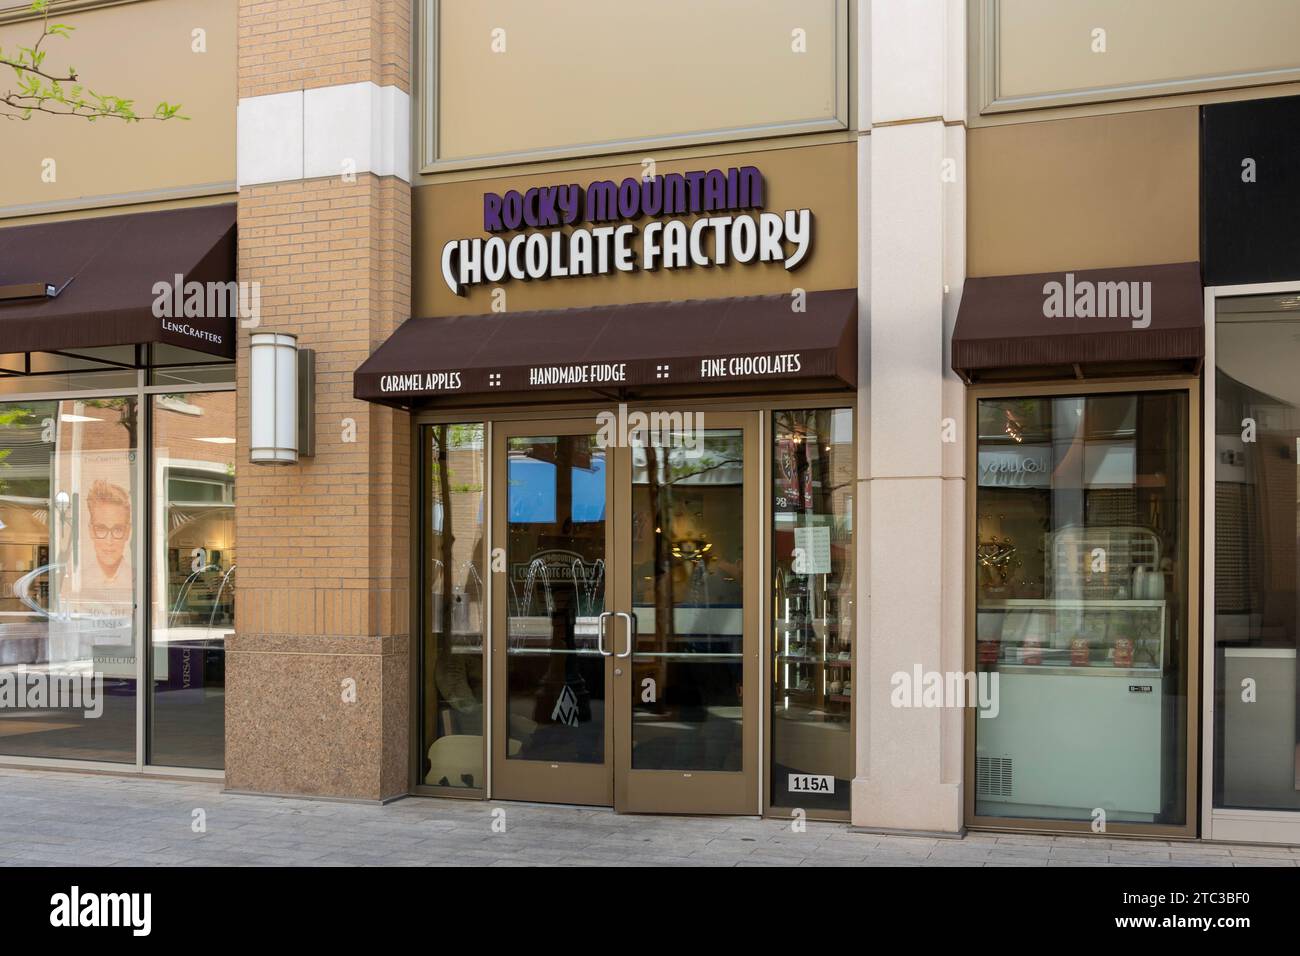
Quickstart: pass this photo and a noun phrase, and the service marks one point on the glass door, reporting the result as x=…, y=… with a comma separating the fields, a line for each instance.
x=625, y=611
x=686, y=735
x=552, y=659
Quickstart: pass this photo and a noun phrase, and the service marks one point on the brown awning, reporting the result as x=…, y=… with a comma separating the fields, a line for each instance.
x=613, y=349
x=89, y=283
x=1095, y=321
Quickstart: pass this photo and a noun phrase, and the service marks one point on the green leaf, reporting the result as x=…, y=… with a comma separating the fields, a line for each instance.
x=40, y=90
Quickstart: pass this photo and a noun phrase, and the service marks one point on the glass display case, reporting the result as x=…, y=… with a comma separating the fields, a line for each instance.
x=1102, y=606
x=1071, y=633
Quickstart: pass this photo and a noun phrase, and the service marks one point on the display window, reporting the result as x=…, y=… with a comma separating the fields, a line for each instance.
x=69, y=523
x=111, y=504
x=194, y=575
x=450, y=654
x=1256, y=529
x=812, y=650
x=1080, y=572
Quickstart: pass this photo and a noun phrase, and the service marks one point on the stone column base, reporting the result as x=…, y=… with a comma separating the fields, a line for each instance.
x=317, y=716
x=890, y=804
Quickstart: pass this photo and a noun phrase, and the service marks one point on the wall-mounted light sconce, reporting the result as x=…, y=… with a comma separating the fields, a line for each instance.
x=281, y=398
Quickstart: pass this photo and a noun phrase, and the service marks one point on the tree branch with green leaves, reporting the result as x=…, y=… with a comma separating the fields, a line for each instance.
x=60, y=92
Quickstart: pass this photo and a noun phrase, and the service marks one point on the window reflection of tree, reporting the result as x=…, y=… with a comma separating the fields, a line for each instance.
x=676, y=470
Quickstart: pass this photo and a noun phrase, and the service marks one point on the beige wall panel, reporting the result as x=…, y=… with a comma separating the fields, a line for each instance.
x=582, y=72
x=140, y=51
x=1044, y=49
x=1086, y=193
x=820, y=178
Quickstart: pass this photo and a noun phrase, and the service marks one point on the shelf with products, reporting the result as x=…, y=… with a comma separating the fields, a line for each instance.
x=1040, y=634
x=812, y=645
x=1096, y=601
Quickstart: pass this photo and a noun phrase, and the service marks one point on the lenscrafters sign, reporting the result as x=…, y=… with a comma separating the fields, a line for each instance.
x=568, y=231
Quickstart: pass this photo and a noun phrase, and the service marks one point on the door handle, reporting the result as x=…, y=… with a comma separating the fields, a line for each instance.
x=631, y=632
x=600, y=633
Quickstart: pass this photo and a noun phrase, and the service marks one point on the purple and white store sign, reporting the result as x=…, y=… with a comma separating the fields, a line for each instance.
x=706, y=218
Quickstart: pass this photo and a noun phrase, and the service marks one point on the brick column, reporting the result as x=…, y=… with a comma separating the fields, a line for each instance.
x=322, y=546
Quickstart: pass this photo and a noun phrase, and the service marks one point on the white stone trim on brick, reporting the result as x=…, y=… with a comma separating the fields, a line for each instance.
x=327, y=131
x=268, y=141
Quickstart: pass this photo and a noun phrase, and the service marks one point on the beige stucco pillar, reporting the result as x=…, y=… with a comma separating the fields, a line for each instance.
x=910, y=483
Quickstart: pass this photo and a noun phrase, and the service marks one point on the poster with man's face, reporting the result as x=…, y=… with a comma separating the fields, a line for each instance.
x=108, y=520
x=95, y=545
x=102, y=573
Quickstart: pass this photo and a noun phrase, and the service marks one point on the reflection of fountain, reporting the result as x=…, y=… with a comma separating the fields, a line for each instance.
x=182, y=596
x=221, y=590
x=590, y=596
x=524, y=607
x=22, y=590
x=472, y=577
x=538, y=568
x=463, y=598
x=184, y=591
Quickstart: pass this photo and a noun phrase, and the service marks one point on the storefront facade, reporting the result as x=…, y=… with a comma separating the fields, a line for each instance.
x=872, y=418
x=1249, y=254
x=118, y=457
x=628, y=384
x=1125, y=570
x=117, y=407
x=631, y=512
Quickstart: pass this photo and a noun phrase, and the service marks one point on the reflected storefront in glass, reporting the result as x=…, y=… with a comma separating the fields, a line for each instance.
x=1082, y=647
x=688, y=585
x=104, y=499
x=451, y=647
x=1256, y=471
x=194, y=568
x=555, y=577
x=813, y=609
x=69, y=528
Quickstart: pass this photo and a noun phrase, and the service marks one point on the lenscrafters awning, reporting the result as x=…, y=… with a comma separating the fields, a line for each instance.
x=66, y=287
x=1082, y=324
x=620, y=350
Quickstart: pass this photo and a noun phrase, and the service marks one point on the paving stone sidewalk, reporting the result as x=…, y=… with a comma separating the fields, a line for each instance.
x=57, y=819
